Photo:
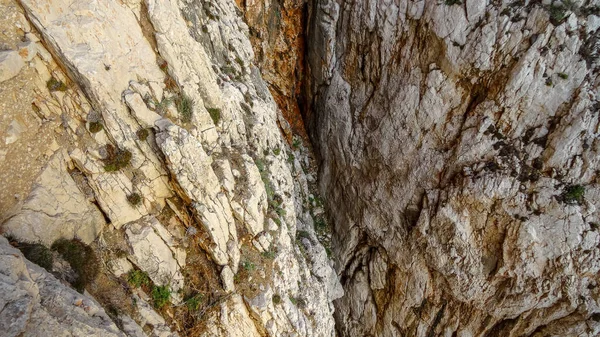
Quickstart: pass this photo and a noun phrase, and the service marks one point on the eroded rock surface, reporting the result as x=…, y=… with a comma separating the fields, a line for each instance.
x=169, y=137
x=459, y=160
x=35, y=303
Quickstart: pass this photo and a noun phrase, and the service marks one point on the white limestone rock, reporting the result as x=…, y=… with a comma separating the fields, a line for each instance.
x=149, y=242
x=55, y=208
x=11, y=64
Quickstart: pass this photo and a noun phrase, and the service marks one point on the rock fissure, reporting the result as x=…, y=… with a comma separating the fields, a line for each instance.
x=455, y=149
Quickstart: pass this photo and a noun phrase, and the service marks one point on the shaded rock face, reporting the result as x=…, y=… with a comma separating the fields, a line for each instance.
x=459, y=152
x=277, y=30
x=35, y=303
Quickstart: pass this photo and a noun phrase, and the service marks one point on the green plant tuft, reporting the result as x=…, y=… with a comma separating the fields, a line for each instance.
x=134, y=199
x=297, y=301
x=269, y=254
x=453, y=2
x=185, y=107
x=56, y=85
x=563, y=76
x=138, y=278
x=573, y=194
x=193, y=303
x=276, y=151
x=82, y=259
x=161, y=295
x=36, y=253
x=116, y=159
x=276, y=299
x=96, y=127
x=215, y=114
x=558, y=14
x=248, y=266
x=142, y=134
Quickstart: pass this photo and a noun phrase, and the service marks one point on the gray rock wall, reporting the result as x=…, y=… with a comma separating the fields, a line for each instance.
x=459, y=155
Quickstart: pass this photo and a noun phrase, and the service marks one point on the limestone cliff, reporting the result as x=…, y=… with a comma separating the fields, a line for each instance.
x=143, y=130
x=459, y=159
x=155, y=166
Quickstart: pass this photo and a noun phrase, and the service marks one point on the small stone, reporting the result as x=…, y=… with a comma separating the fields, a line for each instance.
x=11, y=64
x=227, y=279
x=14, y=131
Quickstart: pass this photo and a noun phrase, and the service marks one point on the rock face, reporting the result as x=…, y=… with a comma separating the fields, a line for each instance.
x=55, y=209
x=277, y=35
x=35, y=303
x=170, y=163
x=459, y=150
x=458, y=143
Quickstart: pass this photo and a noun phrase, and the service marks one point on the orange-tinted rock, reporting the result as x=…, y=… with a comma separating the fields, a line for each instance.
x=277, y=37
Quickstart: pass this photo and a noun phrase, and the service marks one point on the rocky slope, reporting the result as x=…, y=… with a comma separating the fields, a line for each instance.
x=163, y=154
x=161, y=140
x=459, y=147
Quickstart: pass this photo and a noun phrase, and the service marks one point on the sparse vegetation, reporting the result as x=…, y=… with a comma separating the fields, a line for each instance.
x=161, y=295
x=162, y=106
x=248, y=266
x=142, y=134
x=297, y=301
x=116, y=158
x=81, y=258
x=215, y=114
x=563, y=76
x=276, y=151
x=138, y=278
x=560, y=11
x=193, y=303
x=35, y=252
x=164, y=66
x=54, y=84
x=170, y=84
x=276, y=299
x=452, y=2
x=185, y=108
x=276, y=220
x=95, y=127
x=573, y=194
x=269, y=254
x=296, y=142
x=273, y=199
x=303, y=235
x=134, y=199
x=549, y=82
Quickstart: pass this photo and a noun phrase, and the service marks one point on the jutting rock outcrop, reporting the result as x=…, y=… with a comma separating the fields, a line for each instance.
x=459, y=157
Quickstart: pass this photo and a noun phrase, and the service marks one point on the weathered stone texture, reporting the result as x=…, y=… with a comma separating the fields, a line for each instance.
x=454, y=137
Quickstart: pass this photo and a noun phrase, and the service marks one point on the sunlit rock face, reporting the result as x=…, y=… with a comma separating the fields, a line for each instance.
x=459, y=157
x=145, y=130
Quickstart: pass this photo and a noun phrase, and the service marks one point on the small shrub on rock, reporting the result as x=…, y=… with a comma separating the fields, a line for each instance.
x=573, y=195
x=134, y=199
x=116, y=158
x=36, y=253
x=185, y=108
x=215, y=114
x=55, y=85
x=161, y=295
x=96, y=127
x=138, y=278
x=142, y=134
x=81, y=258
